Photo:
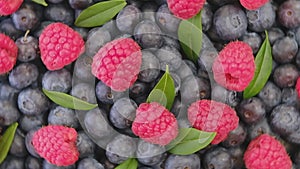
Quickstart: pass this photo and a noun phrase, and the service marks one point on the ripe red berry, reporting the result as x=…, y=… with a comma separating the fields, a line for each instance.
x=57, y=144
x=60, y=45
x=234, y=67
x=298, y=87
x=212, y=116
x=155, y=124
x=118, y=63
x=8, y=53
x=185, y=9
x=253, y=4
x=8, y=7
x=266, y=152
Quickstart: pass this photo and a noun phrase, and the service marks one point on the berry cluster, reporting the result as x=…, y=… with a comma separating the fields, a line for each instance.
x=117, y=66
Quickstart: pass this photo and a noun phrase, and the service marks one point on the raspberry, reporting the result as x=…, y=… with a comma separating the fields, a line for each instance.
x=185, y=9
x=118, y=63
x=155, y=124
x=234, y=67
x=213, y=116
x=253, y=4
x=57, y=144
x=8, y=53
x=298, y=87
x=266, y=152
x=9, y=7
x=60, y=45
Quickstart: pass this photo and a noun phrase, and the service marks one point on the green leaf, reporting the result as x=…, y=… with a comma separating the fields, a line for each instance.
x=130, y=163
x=99, y=13
x=68, y=101
x=41, y=2
x=6, y=140
x=164, y=91
x=190, y=36
x=190, y=140
x=263, y=69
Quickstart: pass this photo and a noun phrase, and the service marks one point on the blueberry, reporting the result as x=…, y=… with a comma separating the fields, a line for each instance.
x=285, y=75
x=166, y=21
x=7, y=27
x=41, y=27
x=186, y=69
x=177, y=81
x=206, y=58
x=294, y=137
x=85, y=145
x=259, y=128
x=274, y=33
x=150, y=67
x=27, y=17
x=297, y=34
x=28, y=143
x=217, y=157
x=120, y=149
x=200, y=90
x=33, y=163
x=27, y=48
x=177, y=106
x=253, y=39
x=84, y=91
x=18, y=147
x=28, y=123
x=284, y=119
x=12, y=162
x=96, y=38
x=9, y=113
x=251, y=110
x=149, y=154
x=262, y=18
x=32, y=101
x=55, y=1
x=289, y=96
x=57, y=80
x=7, y=92
x=171, y=41
x=128, y=18
x=80, y=4
x=206, y=17
x=23, y=75
x=169, y=55
x=148, y=34
x=230, y=22
x=270, y=95
x=82, y=31
x=289, y=14
x=182, y=161
x=97, y=126
x=122, y=113
x=89, y=163
x=149, y=10
x=236, y=137
x=111, y=26
x=82, y=69
x=141, y=99
x=237, y=154
x=47, y=165
x=221, y=94
x=105, y=94
x=63, y=116
x=59, y=13
x=285, y=49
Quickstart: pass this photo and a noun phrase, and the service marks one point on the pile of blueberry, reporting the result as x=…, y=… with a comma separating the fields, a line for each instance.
x=101, y=143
